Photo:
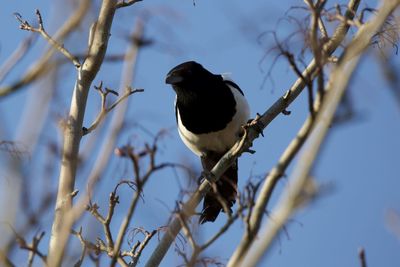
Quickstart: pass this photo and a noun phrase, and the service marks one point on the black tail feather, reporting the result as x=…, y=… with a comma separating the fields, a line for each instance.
x=223, y=193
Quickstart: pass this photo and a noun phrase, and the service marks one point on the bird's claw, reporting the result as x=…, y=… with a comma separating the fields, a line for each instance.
x=257, y=124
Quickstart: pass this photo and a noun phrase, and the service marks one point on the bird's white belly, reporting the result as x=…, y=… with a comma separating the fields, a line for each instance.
x=219, y=141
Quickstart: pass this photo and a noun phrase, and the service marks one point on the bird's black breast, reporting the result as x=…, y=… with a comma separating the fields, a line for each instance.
x=207, y=109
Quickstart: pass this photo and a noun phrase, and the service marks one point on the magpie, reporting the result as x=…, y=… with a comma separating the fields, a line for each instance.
x=210, y=110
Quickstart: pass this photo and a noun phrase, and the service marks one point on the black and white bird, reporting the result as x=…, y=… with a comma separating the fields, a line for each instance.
x=210, y=110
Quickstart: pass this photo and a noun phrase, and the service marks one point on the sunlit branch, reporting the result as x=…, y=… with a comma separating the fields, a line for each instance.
x=26, y=26
x=104, y=109
x=337, y=84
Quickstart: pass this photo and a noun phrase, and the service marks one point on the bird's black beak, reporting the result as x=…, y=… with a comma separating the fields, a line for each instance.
x=172, y=78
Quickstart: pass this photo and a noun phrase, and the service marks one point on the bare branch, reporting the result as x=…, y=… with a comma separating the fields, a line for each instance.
x=361, y=255
x=140, y=182
x=96, y=248
x=124, y=3
x=117, y=120
x=84, y=247
x=35, y=250
x=32, y=248
x=115, y=126
x=138, y=248
x=336, y=87
x=27, y=27
x=93, y=209
x=73, y=132
x=270, y=182
x=105, y=110
x=188, y=233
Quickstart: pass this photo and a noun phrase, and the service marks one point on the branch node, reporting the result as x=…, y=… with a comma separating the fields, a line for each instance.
x=286, y=112
x=74, y=193
x=256, y=124
x=40, y=20
x=286, y=95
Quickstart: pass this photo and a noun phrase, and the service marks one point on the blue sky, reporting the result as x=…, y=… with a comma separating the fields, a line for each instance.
x=359, y=161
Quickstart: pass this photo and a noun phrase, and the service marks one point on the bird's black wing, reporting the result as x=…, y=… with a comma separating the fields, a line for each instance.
x=234, y=85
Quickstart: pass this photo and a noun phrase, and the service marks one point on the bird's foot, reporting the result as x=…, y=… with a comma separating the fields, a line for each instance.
x=256, y=124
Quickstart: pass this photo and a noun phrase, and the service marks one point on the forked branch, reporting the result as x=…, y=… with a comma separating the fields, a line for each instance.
x=27, y=27
x=104, y=109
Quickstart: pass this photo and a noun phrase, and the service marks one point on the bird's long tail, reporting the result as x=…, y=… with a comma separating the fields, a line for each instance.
x=223, y=195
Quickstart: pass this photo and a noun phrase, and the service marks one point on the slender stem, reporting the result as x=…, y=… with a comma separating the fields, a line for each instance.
x=73, y=132
x=53, y=42
x=124, y=227
x=124, y=3
x=363, y=258
x=105, y=110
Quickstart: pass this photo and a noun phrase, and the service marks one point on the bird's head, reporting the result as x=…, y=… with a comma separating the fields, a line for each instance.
x=188, y=74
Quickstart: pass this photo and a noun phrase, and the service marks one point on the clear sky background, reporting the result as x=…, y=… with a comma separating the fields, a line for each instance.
x=359, y=162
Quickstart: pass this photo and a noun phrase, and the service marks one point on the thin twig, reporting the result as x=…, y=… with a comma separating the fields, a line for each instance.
x=361, y=255
x=188, y=233
x=100, y=246
x=105, y=110
x=35, y=250
x=391, y=71
x=84, y=247
x=316, y=45
x=27, y=27
x=73, y=133
x=322, y=29
x=138, y=248
x=116, y=124
x=140, y=181
x=32, y=248
x=117, y=119
x=124, y=3
x=113, y=201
